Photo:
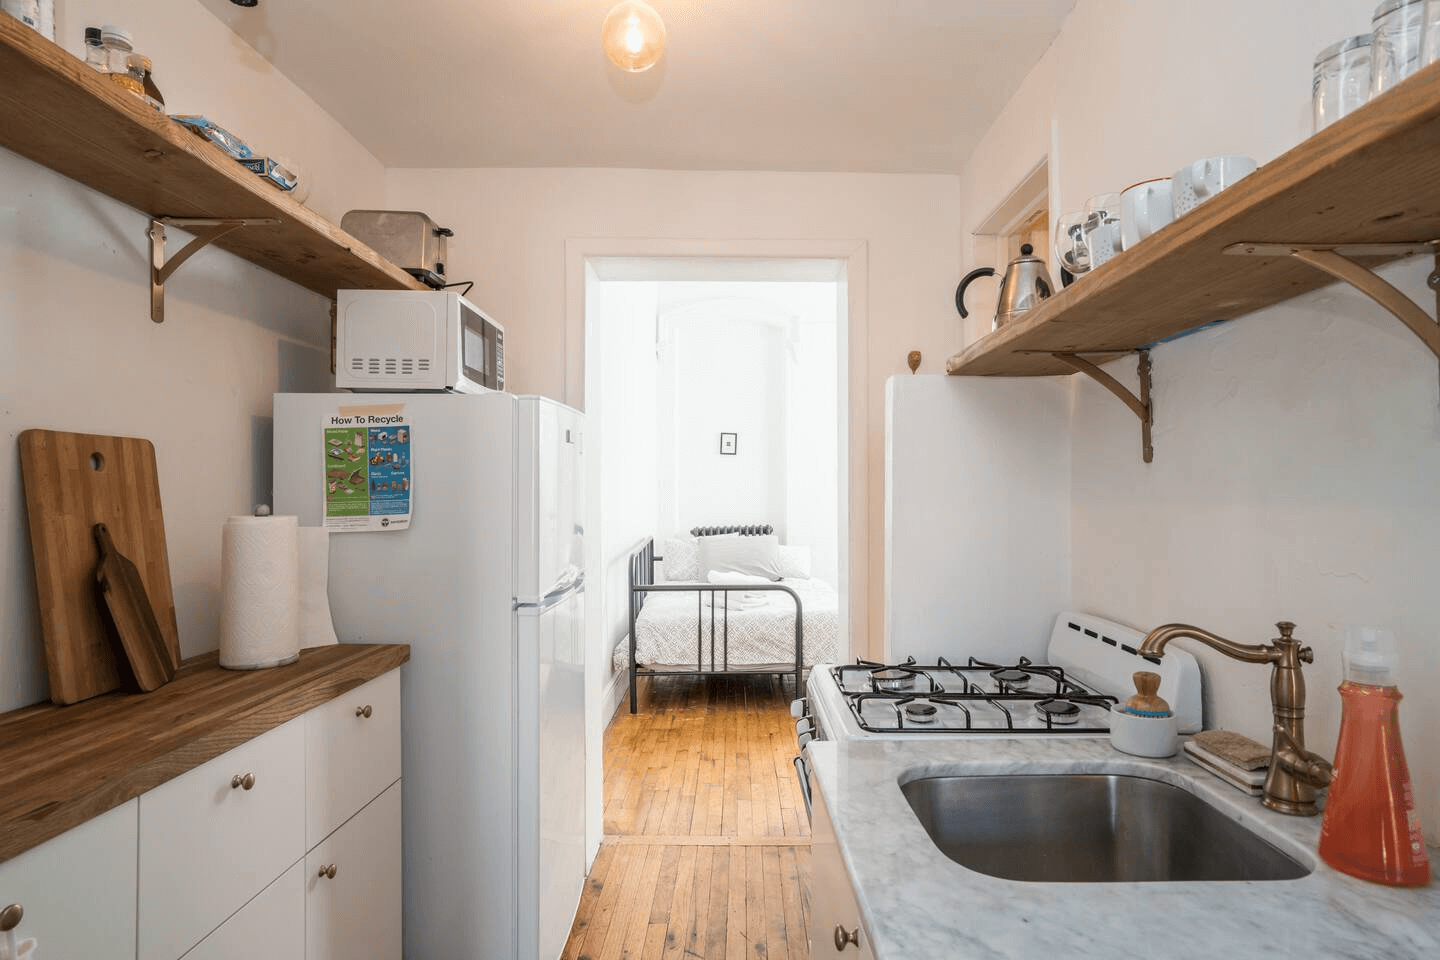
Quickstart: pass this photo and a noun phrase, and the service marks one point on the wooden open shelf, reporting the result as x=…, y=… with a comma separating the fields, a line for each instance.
x=61, y=113
x=1371, y=177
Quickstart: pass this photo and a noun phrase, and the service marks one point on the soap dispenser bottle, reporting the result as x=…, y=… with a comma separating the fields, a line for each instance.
x=1371, y=828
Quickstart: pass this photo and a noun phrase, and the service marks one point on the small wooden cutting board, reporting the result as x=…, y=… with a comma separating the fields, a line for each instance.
x=123, y=594
x=72, y=482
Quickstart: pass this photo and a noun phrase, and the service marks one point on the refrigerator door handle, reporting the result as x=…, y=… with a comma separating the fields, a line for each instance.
x=554, y=597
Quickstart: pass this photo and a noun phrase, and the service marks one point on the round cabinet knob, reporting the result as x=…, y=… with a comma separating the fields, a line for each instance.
x=10, y=917
x=245, y=780
x=364, y=711
x=844, y=939
x=328, y=871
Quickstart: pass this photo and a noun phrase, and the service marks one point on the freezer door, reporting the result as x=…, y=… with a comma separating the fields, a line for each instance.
x=550, y=477
x=551, y=747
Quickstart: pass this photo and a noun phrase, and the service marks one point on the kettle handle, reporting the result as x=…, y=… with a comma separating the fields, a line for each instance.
x=970, y=277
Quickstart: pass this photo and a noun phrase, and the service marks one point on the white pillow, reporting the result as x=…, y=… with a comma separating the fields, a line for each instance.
x=681, y=560
x=794, y=562
x=755, y=556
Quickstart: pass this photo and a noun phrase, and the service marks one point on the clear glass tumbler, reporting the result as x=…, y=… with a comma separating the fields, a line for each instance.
x=1398, y=31
x=1342, y=80
x=1070, y=247
x=1430, y=42
x=1102, y=227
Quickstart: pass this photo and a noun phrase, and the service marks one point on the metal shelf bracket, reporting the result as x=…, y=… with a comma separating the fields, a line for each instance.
x=1335, y=259
x=1142, y=405
x=160, y=270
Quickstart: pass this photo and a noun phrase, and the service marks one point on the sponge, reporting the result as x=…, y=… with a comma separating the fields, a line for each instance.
x=1235, y=748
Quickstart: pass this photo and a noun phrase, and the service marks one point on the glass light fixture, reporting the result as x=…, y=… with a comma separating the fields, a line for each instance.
x=633, y=35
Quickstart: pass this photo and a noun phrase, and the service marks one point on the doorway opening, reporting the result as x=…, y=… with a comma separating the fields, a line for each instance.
x=720, y=388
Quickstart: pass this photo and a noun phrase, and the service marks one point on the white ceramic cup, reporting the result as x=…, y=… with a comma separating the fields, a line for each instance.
x=1144, y=208
x=1197, y=182
x=1144, y=736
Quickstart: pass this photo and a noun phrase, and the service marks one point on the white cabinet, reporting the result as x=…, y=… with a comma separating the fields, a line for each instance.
x=223, y=861
x=352, y=887
x=352, y=753
x=835, y=928
x=272, y=926
x=216, y=836
x=78, y=889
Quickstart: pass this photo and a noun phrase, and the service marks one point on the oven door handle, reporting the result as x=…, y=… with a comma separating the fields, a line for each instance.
x=802, y=772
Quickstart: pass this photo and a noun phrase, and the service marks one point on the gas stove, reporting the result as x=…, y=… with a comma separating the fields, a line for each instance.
x=1087, y=670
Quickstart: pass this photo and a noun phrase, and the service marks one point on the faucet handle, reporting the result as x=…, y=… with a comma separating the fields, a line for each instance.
x=1307, y=654
x=1286, y=629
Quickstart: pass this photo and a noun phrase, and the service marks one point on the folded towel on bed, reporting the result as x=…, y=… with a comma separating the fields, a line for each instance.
x=726, y=578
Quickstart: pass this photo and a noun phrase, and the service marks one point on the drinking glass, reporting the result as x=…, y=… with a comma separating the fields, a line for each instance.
x=1102, y=227
x=1070, y=247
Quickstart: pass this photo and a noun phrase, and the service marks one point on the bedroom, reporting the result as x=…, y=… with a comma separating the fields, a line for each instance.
x=717, y=404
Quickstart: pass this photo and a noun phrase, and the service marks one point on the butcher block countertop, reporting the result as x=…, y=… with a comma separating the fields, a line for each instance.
x=61, y=766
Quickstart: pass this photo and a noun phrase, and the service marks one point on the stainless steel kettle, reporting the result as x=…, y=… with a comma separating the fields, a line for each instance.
x=1025, y=284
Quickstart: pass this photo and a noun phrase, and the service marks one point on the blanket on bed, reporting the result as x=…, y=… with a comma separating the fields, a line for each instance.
x=761, y=627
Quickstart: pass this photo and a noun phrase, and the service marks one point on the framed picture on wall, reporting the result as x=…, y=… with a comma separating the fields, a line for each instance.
x=727, y=444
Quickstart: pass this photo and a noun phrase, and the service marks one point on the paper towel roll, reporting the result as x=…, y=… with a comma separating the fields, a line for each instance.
x=259, y=592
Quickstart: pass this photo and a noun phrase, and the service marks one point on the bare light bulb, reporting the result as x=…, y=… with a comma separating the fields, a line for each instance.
x=633, y=35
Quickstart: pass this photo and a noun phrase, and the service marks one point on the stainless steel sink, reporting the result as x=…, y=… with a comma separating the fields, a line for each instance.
x=1089, y=829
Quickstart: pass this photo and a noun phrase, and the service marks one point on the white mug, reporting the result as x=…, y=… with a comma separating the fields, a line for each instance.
x=1201, y=180
x=1144, y=208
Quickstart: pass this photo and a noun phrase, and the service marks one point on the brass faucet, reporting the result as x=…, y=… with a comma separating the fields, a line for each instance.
x=1294, y=772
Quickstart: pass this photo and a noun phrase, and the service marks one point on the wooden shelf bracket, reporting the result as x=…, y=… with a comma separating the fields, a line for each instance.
x=1335, y=259
x=209, y=231
x=1141, y=405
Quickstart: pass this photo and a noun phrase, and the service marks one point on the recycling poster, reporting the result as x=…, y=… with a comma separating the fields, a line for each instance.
x=368, y=471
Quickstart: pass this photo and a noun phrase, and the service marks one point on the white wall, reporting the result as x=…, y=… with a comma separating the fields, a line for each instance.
x=78, y=350
x=511, y=232
x=1296, y=449
x=727, y=373
x=621, y=440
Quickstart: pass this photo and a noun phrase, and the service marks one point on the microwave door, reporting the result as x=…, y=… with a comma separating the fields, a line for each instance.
x=473, y=352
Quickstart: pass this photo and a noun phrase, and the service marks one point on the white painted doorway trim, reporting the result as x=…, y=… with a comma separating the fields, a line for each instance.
x=859, y=578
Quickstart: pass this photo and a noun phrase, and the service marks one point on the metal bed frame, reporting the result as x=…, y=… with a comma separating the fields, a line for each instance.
x=642, y=582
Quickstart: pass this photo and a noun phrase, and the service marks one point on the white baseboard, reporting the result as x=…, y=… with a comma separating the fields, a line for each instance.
x=616, y=693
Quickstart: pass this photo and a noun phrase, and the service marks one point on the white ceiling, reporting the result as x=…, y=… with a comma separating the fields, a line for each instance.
x=894, y=86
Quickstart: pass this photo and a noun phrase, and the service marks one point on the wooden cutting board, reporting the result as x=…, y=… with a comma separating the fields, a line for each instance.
x=72, y=482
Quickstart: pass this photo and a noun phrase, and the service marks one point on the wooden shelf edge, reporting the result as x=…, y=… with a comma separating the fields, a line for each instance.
x=64, y=115
x=1411, y=106
x=62, y=766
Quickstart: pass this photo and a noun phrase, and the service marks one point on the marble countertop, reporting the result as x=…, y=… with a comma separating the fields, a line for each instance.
x=918, y=904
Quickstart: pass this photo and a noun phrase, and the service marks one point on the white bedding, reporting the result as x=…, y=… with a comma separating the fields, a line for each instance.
x=761, y=628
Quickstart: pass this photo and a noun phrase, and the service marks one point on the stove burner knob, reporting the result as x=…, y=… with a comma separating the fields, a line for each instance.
x=843, y=939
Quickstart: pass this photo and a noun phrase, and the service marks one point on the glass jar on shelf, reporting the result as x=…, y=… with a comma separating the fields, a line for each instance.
x=1397, y=34
x=1342, y=80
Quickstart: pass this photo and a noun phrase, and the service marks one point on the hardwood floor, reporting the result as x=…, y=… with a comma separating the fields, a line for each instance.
x=707, y=846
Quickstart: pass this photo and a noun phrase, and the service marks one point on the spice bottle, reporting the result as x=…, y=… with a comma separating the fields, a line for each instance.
x=95, y=54
x=124, y=69
x=1371, y=828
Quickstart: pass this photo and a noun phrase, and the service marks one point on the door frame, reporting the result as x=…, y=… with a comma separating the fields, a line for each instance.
x=860, y=570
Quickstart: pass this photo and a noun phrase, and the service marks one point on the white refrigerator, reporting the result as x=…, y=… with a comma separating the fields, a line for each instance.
x=474, y=557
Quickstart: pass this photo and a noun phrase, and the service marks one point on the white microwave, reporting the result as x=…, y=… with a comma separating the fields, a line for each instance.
x=416, y=340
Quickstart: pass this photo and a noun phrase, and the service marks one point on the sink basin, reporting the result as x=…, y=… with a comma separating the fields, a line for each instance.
x=1089, y=829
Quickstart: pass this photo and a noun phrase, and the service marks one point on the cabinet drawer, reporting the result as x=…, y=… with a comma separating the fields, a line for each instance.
x=352, y=753
x=355, y=914
x=208, y=843
x=271, y=926
x=78, y=889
